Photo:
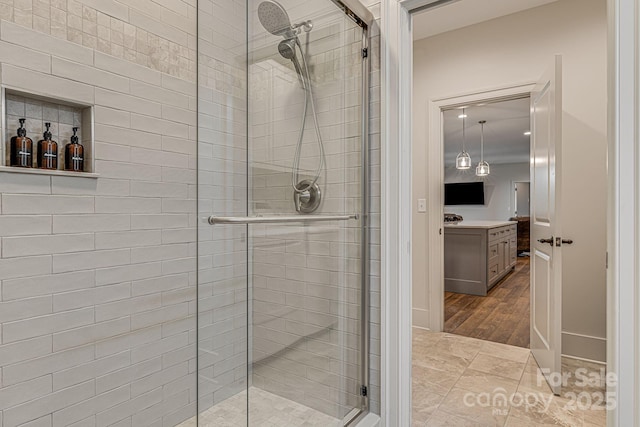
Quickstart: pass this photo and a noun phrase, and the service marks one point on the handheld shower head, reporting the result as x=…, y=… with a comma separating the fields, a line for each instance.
x=287, y=48
x=275, y=19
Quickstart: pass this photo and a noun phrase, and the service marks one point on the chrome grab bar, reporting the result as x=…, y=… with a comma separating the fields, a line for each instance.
x=213, y=220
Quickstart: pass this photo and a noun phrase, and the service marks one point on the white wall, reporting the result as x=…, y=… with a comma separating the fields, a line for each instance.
x=498, y=191
x=516, y=49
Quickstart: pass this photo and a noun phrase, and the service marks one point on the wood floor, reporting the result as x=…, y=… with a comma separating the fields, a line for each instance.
x=502, y=316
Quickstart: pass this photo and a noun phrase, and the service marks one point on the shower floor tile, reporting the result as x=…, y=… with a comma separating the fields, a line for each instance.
x=266, y=410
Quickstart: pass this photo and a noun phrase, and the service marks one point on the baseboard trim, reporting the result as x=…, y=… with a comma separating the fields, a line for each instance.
x=420, y=318
x=584, y=347
x=585, y=360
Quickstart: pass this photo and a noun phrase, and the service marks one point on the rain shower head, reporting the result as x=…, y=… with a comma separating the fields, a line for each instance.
x=275, y=19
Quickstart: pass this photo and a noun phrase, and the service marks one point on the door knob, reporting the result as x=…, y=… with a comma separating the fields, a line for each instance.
x=549, y=241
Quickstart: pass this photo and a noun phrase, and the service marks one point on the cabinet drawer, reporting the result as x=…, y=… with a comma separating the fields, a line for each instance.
x=493, y=250
x=502, y=233
x=494, y=270
x=494, y=234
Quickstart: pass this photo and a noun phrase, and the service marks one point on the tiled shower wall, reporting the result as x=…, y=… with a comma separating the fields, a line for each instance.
x=153, y=34
x=98, y=286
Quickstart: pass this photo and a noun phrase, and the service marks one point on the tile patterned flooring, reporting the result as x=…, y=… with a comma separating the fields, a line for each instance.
x=448, y=370
x=507, y=303
x=266, y=410
x=460, y=381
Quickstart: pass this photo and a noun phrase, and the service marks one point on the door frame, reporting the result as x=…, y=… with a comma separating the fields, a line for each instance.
x=513, y=196
x=623, y=220
x=435, y=182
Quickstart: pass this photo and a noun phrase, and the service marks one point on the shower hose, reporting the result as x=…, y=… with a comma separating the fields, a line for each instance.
x=308, y=99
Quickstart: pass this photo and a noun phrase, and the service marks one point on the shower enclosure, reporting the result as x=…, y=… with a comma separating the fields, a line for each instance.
x=283, y=212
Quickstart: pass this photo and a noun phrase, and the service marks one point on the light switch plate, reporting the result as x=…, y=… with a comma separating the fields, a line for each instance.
x=422, y=205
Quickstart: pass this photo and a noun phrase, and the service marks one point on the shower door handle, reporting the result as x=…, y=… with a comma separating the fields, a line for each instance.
x=213, y=220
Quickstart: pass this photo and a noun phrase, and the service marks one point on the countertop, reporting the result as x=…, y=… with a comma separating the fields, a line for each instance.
x=479, y=224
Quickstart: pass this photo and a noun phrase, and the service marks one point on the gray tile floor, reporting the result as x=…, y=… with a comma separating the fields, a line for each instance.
x=460, y=381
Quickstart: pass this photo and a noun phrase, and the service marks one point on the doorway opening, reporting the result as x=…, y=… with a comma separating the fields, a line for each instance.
x=486, y=231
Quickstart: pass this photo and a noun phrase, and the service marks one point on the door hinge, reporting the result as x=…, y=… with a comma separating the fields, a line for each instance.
x=365, y=52
x=363, y=391
x=606, y=260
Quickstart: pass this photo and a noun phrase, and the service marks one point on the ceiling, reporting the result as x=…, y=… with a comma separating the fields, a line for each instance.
x=504, y=139
x=462, y=13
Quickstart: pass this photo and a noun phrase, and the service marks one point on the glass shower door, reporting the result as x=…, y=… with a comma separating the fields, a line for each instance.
x=281, y=158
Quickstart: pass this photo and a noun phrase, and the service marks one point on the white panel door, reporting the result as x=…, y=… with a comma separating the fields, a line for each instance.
x=546, y=257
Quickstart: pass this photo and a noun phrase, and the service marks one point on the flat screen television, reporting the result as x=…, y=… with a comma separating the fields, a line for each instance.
x=464, y=193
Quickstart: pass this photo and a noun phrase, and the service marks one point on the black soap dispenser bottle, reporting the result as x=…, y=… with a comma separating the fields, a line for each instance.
x=21, y=148
x=47, y=151
x=74, y=154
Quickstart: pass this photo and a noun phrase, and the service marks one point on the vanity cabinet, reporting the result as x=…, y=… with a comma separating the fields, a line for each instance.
x=477, y=254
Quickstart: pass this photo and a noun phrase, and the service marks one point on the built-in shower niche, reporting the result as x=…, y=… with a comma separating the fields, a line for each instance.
x=63, y=114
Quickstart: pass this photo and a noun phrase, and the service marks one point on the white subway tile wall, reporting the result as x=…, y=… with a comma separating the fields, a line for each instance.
x=159, y=35
x=98, y=276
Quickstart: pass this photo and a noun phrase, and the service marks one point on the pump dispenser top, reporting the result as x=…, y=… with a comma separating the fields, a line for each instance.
x=22, y=132
x=74, y=137
x=47, y=133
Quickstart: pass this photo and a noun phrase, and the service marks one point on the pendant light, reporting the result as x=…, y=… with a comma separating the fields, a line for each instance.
x=463, y=159
x=483, y=167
